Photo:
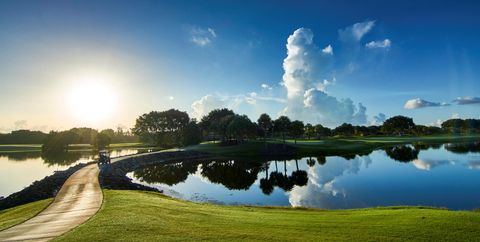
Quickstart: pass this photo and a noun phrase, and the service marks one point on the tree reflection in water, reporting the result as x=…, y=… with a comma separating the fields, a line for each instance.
x=21, y=156
x=314, y=182
x=63, y=158
x=463, y=148
x=167, y=174
x=241, y=174
x=311, y=162
x=402, y=153
x=265, y=183
x=234, y=175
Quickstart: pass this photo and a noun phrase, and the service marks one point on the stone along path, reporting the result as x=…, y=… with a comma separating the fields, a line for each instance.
x=77, y=201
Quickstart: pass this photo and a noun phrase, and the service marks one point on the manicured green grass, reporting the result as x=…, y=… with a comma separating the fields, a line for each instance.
x=17, y=215
x=328, y=146
x=146, y=216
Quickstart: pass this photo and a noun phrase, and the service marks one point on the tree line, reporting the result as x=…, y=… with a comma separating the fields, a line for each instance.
x=172, y=128
x=60, y=141
x=175, y=128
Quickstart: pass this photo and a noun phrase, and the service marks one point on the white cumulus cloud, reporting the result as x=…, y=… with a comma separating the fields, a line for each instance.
x=421, y=103
x=357, y=31
x=305, y=69
x=242, y=103
x=384, y=44
x=206, y=104
x=332, y=110
x=328, y=50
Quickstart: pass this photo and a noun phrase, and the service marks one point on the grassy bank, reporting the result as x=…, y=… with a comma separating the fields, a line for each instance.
x=144, y=216
x=16, y=215
x=327, y=146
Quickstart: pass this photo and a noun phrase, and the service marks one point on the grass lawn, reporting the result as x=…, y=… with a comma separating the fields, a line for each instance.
x=146, y=216
x=16, y=215
x=328, y=146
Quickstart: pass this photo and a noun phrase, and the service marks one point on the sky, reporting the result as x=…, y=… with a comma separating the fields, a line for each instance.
x=101, y=64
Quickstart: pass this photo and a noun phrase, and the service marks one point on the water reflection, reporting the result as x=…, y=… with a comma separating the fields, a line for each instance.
x=20, y=169
x=63, y=158
x=21, y=156
x=402, y=153
x=463, y=148
x=415, y=174
x=170, y=175
x=234, y=175
x=430, y=164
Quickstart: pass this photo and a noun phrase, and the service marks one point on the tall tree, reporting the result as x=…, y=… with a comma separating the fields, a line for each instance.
x=162, y=128
x=398, y=125
x=192, y=134
x=265, y=123
x=344, y=130
x=211, y=124
x=309, y=131
x=281, y=125
x=296, y=129
x=321, y=131
x=241, y=127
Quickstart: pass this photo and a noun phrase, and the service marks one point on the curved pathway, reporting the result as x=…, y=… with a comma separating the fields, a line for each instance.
x=78, y=200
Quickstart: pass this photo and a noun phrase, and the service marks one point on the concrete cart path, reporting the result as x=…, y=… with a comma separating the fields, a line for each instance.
x=77, y=201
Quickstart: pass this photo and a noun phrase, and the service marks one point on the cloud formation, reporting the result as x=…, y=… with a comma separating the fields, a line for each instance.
x=467, y=100
x=379, y=119
x=427, y=165
x=356, y=31
x=266, y=86
x=304, y=67
x=206, y=104
x=421, y=103
x=332, y=110
x=380, y=44
x=202, y=37
x=328, y=50
x=210, y=102
x=322, y=189
x=299, y=65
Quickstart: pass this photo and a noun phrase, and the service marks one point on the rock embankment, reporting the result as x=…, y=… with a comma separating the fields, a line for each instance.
x=46, y=188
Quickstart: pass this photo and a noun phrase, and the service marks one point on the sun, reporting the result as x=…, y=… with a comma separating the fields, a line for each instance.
x=92, y=99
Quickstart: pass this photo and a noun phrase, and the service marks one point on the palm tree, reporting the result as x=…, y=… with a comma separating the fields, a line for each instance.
x=299, y=177
x=265, y=183
x=311, y=162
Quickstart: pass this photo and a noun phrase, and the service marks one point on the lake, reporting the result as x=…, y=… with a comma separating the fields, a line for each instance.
x=19, y=169
x=446, y=175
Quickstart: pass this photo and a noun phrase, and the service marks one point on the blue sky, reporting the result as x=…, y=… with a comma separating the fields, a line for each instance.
x=195, y=56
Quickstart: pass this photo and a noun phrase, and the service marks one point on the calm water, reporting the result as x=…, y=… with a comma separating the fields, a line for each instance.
x=441, y=175
x=20, y=169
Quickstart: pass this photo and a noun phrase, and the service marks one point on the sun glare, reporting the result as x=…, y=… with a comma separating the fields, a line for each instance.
x=92, y=99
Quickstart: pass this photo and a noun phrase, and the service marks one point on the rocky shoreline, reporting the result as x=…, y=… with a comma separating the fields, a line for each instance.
x=48, y=187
